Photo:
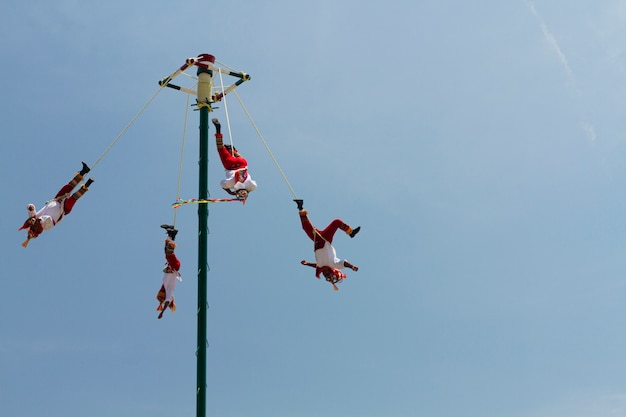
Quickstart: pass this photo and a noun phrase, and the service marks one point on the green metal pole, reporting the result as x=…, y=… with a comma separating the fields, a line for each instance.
x=204, y=95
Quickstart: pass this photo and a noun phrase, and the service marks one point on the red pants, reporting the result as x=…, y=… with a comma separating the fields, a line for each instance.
x=326, y=235
x=68, y=203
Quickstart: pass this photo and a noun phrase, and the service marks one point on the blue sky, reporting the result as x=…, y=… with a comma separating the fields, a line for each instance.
x=479, y=147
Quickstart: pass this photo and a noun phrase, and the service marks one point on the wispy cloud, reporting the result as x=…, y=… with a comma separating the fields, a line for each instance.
x=588, y=127
x=552, y=41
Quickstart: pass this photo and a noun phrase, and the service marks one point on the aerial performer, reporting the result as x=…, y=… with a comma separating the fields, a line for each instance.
x=165, y=296
x=238, y=181
x=326, y=261
x=54, y=210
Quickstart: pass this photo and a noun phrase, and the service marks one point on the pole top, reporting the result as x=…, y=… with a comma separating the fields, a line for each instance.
x=204, y=62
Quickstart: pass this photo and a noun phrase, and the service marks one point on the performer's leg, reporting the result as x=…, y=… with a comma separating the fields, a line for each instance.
x=306, y=224
x=69, y=202
x=218, y=127
x=329, y=232
x=67, y=188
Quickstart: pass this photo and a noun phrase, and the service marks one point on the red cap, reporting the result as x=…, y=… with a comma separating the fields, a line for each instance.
x=206, y=57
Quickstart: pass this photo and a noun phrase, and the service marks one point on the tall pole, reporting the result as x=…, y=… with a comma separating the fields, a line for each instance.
x=204, y=96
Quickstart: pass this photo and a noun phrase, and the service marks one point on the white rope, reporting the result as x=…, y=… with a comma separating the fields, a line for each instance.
x=182, y=153
x=265, y=144
x=133, y=120
x=231, y=69
x=230, y=133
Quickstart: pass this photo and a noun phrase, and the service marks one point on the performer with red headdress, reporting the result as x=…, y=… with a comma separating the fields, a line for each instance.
x=238, y=181
x=165, y=296
x=326, y=261
x=54, y=210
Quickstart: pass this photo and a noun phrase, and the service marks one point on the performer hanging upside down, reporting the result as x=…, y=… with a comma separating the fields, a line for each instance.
x=238, y=181
x=54, y=210
x=165, y=296
x=326, y=261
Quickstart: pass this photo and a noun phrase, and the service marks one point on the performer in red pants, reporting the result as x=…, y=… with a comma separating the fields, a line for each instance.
x=238, y=181
x=165, y=296
x=326, y=261
x=52, y=213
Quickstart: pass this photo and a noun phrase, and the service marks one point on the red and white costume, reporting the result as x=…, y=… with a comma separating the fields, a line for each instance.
x=325, y=254
x=52, y=213
x=236, y=171
x=54, y=210
x=171, y=275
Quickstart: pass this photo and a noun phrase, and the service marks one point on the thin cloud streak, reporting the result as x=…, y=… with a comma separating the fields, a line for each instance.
x=553, y=43
x=551, y=39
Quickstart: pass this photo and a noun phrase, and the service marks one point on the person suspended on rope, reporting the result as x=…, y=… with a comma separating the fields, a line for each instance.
x=54, y=210
x=165, y=296
x=326, y=261
x=238, y=181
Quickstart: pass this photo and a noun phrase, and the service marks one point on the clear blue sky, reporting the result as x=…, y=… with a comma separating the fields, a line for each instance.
x=479, y=146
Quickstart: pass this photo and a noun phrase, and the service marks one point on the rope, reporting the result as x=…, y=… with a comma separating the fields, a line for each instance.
x=127, y=127
x=230, y=135
x=193, y=77
x=226, y=66
x=265, y=144
x=182, y=152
